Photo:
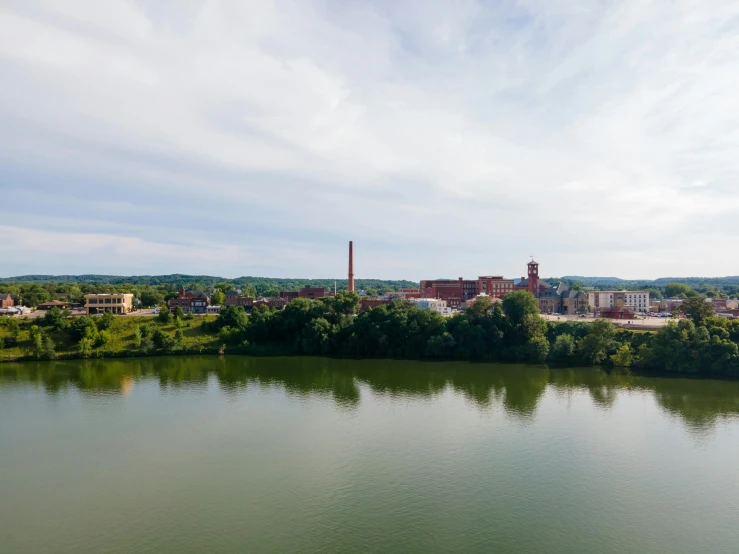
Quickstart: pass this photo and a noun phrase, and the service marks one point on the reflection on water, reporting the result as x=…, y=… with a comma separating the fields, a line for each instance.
x=699, y=403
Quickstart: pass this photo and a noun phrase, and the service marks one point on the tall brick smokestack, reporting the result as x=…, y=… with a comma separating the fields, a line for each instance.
x=351, y=266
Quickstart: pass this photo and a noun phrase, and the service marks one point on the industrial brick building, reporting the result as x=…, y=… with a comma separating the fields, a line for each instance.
x=457, y=291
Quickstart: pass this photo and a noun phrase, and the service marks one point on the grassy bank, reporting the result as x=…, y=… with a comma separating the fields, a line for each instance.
x=121, y=334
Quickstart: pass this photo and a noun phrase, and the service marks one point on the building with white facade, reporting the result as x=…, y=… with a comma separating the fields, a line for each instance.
x=638, y=300
x=436, y=304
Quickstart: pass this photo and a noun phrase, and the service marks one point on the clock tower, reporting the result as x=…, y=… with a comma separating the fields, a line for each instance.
x=533, y=277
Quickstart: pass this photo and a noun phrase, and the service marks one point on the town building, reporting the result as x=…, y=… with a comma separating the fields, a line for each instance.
x=435, y=304
x=289, y=295
x=6, y=301
x=191, y=302
x=458, y=291
x=369, y=303
x=234, y=298
x=405, y=294
x=312, y=293
x=495, y=286
x=454, y=291
x=561, y=299
x=532, y=282
x=277, y=303
x=121, y=303
x=636, y=299
x=212, y=310
x=574, y=302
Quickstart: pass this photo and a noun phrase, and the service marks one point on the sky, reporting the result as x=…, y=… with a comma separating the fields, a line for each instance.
x=446, y=139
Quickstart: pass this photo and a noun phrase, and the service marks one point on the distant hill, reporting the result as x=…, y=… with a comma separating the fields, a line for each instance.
x=177, y=279
x=694, y=282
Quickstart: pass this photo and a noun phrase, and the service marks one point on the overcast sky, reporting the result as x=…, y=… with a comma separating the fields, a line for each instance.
x=445, y=138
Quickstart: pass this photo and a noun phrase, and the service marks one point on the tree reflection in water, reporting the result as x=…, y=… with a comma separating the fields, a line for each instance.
x=698, y=403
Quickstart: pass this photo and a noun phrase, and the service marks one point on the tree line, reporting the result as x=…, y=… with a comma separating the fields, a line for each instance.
x=156, y=291
x=509, y=331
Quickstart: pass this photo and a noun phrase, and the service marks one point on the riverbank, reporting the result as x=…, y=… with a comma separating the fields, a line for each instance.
x=511, y=331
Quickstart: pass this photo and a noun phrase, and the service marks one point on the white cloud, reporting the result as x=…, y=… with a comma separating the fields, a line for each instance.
x=459, y=139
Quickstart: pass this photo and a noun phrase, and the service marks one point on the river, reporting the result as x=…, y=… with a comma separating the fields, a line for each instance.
x=314, y=455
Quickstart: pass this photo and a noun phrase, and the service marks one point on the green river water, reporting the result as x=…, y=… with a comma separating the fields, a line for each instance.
x=289, y=455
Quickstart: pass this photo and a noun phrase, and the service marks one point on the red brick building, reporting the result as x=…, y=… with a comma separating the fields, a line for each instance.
x=368, y=303
x=458, y=291
x=6, y=301
x=312, y=292
x=277, y=303
x=453, y=291
x=233, y=298
x=289, y=295
x=191, y=302
x=494, y=285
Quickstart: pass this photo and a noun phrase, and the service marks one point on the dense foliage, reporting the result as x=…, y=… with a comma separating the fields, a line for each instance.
x=659, y=288
x=507, y=331
x=153, y=291
x=511, y=330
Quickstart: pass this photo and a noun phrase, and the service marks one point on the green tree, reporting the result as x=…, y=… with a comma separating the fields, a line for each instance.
x=317, y=336
x=137, y=336
x=151, y=297
x=161, y=339
x=441, y=346
x=163, y=316
x=219, y=298
x=564, y=347
x=178, y=340
x=56, y=318
x=48, y=349
x=84, y=347
x=624, y=356
x=536, y=349
x=178, y=312
x=697, y=309
x=599, y=341
x=33, y=294
x=104, y=338
x=518, y=305
x=673, y=290
x=231, y=316
x=105, y=321
x=177, y=322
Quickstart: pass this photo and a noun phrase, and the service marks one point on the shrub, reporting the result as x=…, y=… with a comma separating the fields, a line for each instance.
x=163, y=316
x=85, y=347
x=103, y=338
x=564, y=347
x=178, y=340
x=624, y=356
x=105, y=321
x=161, y=339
